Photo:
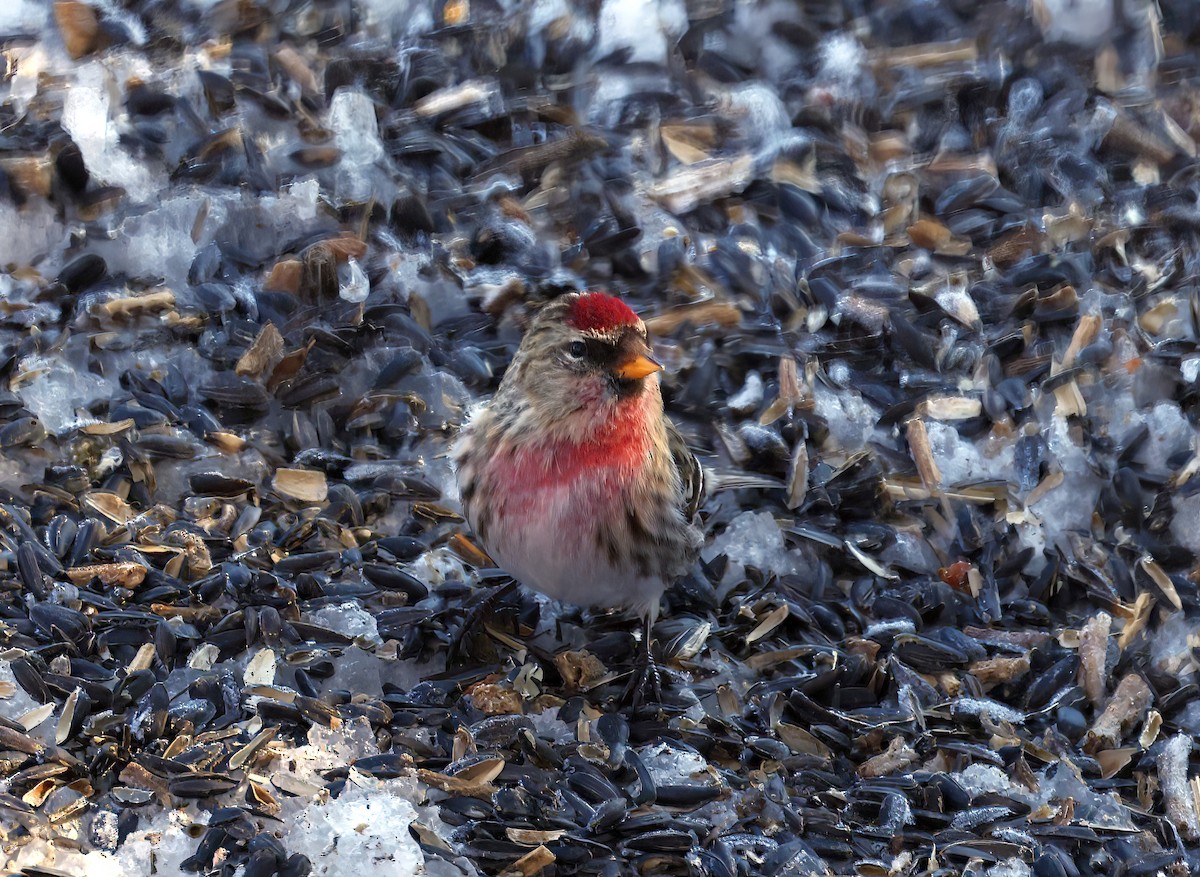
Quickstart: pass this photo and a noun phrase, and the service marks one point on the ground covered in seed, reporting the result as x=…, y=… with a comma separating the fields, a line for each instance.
x=931, y=266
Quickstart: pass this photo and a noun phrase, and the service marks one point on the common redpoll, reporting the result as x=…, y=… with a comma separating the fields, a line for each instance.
x=572, y=477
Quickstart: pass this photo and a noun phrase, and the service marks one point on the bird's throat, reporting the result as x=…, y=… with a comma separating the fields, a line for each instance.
x=613, y=444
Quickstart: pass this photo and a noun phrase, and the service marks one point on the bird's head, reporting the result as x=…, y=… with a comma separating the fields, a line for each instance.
x=584, y=351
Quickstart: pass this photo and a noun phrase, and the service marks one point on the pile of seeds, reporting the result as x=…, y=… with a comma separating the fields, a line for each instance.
x=259, y=258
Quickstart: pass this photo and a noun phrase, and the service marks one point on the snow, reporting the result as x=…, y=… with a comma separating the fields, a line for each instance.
x=746, y=400
x=980, y=706
x=753, y=539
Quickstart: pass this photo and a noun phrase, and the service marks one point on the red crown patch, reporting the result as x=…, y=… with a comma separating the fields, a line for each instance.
x=600, y=312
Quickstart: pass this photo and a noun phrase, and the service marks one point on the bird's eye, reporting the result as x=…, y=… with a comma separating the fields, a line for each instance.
x=577, y=349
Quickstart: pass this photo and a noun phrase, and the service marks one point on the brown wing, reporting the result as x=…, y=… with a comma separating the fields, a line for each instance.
x=691, y=473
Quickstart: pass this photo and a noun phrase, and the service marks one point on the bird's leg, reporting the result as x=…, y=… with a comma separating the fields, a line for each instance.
x=475, y=618
x=645, y=677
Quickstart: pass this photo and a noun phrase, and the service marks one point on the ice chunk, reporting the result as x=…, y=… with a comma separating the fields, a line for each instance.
x=961, y=460
x=86, y=117
x=348, y=618
x=1170, y=648
x=438, y=566
x=979, y=778
x=746, y=400
x=1170, y=432
x=355, y=287
x=166, y=847
x=158, y=243
x=890, y=628
x=842, y=65
x=31, y=233
x=362, y=831
x=354, y=125
x=356, y=671
x=398, y=16
x=851, y=419
x=54, y=392
x=912, y=552
x=671, y=766
x=356, y=133
x=300, y=199
x=1013, y=867
x=23, y=16
x=754, y=539
x=549, y=726
x=328, y=748
x=762, y=117
x=1083, y=22
x=1185, y=526
x=648, y=29
x=1070, y=505
x=1062, y=781
x=159, y=847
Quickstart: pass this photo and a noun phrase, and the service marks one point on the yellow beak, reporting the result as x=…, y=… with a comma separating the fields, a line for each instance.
x=637, y=367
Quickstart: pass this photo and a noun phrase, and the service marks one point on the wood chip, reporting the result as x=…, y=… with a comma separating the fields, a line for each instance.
x=533, y=862
x=126, y=574
x=579, y=669
x=947, y=408
x=922, y=454
x=926, y=54
x=1093, y=657
x=134, y=304
x=1125, y=708
x=898, y=756
x=496, y=700
x=993, y=671
x=297, y=68
x=262, y=354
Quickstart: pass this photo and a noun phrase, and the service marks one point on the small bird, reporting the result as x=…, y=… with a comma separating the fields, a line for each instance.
x=572, y=477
